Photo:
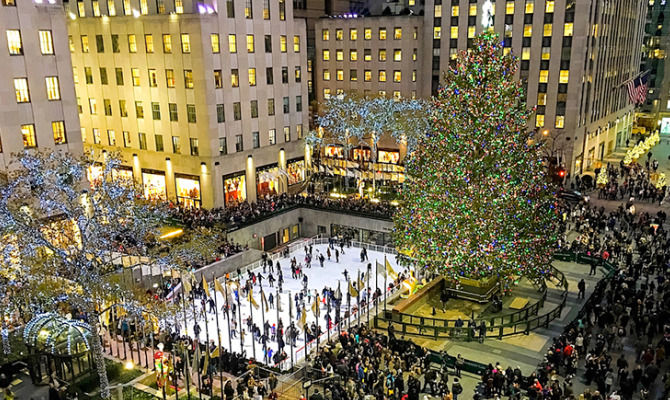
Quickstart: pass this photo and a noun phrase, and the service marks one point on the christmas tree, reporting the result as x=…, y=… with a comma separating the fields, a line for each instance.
x=477, y=201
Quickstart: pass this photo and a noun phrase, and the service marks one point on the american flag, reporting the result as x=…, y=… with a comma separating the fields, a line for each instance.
x=637, y=89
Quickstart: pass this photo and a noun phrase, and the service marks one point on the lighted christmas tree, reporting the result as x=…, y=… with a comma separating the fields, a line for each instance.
x=477, y=201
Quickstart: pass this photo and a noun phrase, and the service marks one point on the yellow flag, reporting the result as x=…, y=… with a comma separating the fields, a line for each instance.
x=219, y=288
x=252, y=300
x=215, y=353
x=389, y=269
x=380, y=269
x=265, y=302
x=315, y=307
x=205, y=286
x=361, y=284
x=186, y=284
x=303, y=317
x=352, y=290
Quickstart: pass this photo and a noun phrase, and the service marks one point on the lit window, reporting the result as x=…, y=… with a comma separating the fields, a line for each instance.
x=438, y=11
x=179, y=6
x=234, y=78
x=539, y=121
x=144, y=7
x=414, y=76
x=567, y=29
x=547, y=29
x=397, y=55
x=471, y=32
x=549, y=6
x=367, y=54
x=414, y=54
x=111, y=8
x=396, y=95
x=250, y=44
x=188, y=79
x=339, y=55
x=397, y=33
x=70, y=43
x=353, y=34
x=454, y=32
x=326, y=93
x=21, y=89
x=339, y=75
x=153, y=78
x=381, y=93
x=282, y=43
x=326, y=75
x=28, y=133
x=325, y=55
x=509, y=7
x=546, y=53
x=525, y=53
x=252, y=76
x=507, y=51
x=167, y=44
x=541, y=99
x=367, y=75
x=58, y=129
x=528, y=30
x=339, y=34
x=564, y=76
x=169, y=78
x=437, y=32
x=127, y=9
x=135, y=73
x=132, y=43
x=473, y=10
x=46, y=42
x=185, y=43
x=296, y=44
x=454, y=11
x=353, y=55
x=214, y=40
x=149, y=43
x=53, y=90
x=530, y=6
x=382, y=55
x=14, y=42
x=325, y=35
x=353, y=75
x=232, y=43
x=382, y=75
x=81, y=8
x=248, y=10
x=367, y=34
x=544, y=76
x=560, y=121
x=382, y=33
x=282, y=10
x=397, y=76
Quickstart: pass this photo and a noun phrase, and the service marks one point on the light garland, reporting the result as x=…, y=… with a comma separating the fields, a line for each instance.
x=641, y=148
x=603, y=177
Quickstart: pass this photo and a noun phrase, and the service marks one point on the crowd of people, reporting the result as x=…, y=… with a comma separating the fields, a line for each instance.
x=630, y=181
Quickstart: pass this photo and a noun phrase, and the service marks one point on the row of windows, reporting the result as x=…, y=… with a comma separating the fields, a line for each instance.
x=367, y=75
x=173, y=111
x=185, y=40
x=29, y=135
x=22, y=91
x=367, y=34
x=529, y=8
x=256, y=141
x=382, y=55
x=327, y=92
x=15, y=42
x=559, y=123
x=547, y=30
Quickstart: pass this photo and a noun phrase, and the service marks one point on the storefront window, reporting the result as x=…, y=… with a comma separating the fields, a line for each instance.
x=94, y=174
x=334, y=151
x=234, y=189
x=123, y=174
x=389, y=157
x=296, y=171
x=188, y=191
x=267, y=180
x=154, y=185
x=362, y=154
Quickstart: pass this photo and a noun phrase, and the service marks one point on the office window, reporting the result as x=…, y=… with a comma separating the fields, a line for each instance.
x=223, y=146
x=174, y=113
x=250, y=44
x=472, y=10
x=282, y=43
x=413, y=75
x=353, y=34
x=21, y=90
x=414, y=55
x=107, y=106
x=176, y=145
x=111, y=137
x=287, y=134
x=298, y=103
x=471, y=32
x=29, y=138
x=153, y=78
x=81, y=9
x=272, y=136
x=220, y=113
x=218, y=79
x=367, y=54
x=188, y=79
x=269, y=76
x=156, y=111
x=298, y=74
x=298, y=131
x=437, y=32
x=132, y=43
x=382, y=55
x=284, y=74
x=560, y=122
x=282, y=10
x=232, y=43
x=149, y=43
x=158, y=141
x=185, y=43
x=325, y=35
x=528, y=30
x=255, y=140
x=239, y=144
x=103, y=76
x=75, y=75
x=353, y=55
x=252, y=76
x=326, y=93
x=271, y=107
x=546, y=53
x=254, y=108
x=230, y=8
x=96, y=135
x=397, y=33
x=234, y=78
x=339, y=55
x=237, y=111
x=80, y=109
x=525, y=53
x=549, y=6
x=139, y=110
x=126, y=139
x=367, y=75
x=339, y=34
x=530, y=6
x=167, y=44
x=123, y=110
x=339, y=75
x=382, y=75
x=190, y=113
x=142, y=140
x=46, y=43
x=397, y=76
x=135, y=73
x=248, y=9
x=92, y=106
x=438, y=11
x=193, y=142
x=544, y=76
x=547, y=29
x=287, y=106
x=539, y=121
x=382, y=33
x=115, y=44
x=268, y=43
x=325, y=55
x=397, y=55
x=367, y=34
x=88, y=75
x=326, y=75
x=541, y=99
x=266, y=9
x=296, y=44
x=568, y=29
x=111, y=8
x=84, y=44
x=564, y=76
x=169, y=78
x=160, y=6
x=144, y=7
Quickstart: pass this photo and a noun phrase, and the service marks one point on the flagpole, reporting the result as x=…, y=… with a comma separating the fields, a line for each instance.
x=204, y=312
x=348, y=305
x=239, y=317
x=358, y=298
x=330, y=317
x=277, y=331
x=197, y=343
x=376, y=291
x=367, y=293
x=265, y=346
x=188, y=369
x=251, y=315
x=290, y=317
x=385, y=286
x=227, y=305
x=218, y=332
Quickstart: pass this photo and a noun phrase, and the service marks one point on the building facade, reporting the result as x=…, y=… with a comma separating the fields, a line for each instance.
x=655, y=111
x=575, y=57
x=38, y=106
x=205, y=101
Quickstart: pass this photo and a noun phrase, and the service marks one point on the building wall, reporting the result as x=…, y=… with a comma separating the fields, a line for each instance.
x=27, y=19
x=213, y=72
x=654, y=59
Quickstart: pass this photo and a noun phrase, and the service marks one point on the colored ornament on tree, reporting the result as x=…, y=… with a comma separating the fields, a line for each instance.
x=477, y=201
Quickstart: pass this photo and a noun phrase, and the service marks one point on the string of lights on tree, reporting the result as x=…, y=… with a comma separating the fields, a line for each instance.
x=477, y=202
